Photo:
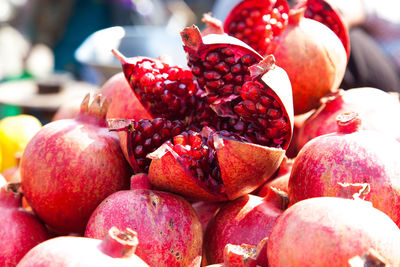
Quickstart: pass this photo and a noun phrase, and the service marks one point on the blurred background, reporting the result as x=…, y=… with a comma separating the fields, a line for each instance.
x=53, y=52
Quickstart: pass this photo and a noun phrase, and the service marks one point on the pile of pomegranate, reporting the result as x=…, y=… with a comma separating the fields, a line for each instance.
x=251, y=155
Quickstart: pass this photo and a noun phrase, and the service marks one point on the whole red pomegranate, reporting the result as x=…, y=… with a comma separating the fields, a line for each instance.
x=313, y=57
x=168, y=228
x=207, y=137
x=20, y=231
x=349, y=156
x=71, y=165
x=329, y=231
x=248, y=219
x=375, y=107
x=116, y=249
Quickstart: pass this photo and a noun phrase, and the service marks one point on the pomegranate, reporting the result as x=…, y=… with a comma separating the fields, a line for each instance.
x=71, y=165
x=194, y=162
x=375, y=107
x=329, y=231
x=259, y=128
x=20, y=231
x=168, y=228
x=248, y=219
x=116, y=249
x=313, y=57
x=349, y=156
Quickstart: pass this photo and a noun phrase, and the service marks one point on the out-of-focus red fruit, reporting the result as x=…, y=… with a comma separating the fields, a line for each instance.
x=20, y=231
x=116, y=249
x=71, y=165
x=168, y=228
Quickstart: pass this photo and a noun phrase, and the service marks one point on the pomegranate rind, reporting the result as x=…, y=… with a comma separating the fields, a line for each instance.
x=193, y=40
x=245, y=166
x=166, y=173
x=278, y=81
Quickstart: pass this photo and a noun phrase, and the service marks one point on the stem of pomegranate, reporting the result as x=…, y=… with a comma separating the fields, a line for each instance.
x=119, y=244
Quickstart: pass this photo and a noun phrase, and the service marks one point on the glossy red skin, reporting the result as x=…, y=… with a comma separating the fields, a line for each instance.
x=20, y=231
x=68, y=168
x=75, y=251
x=358, y=157
x=168, y=228
x=375, y=107
x=247, y=219
x=124, y=103
x=329, y=231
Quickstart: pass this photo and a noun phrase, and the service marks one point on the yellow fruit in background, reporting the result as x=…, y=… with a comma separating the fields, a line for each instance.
x=15, y=133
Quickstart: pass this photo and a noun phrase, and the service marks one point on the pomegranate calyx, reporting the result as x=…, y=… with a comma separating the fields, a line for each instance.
x=295, y=15
x=268, y=63
x=191, y=37
x=94, y=105
x=348, y=122
x=119, y=244
x=213, y=25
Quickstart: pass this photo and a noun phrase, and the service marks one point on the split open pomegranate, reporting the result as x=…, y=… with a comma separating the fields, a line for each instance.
x=210, y=139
